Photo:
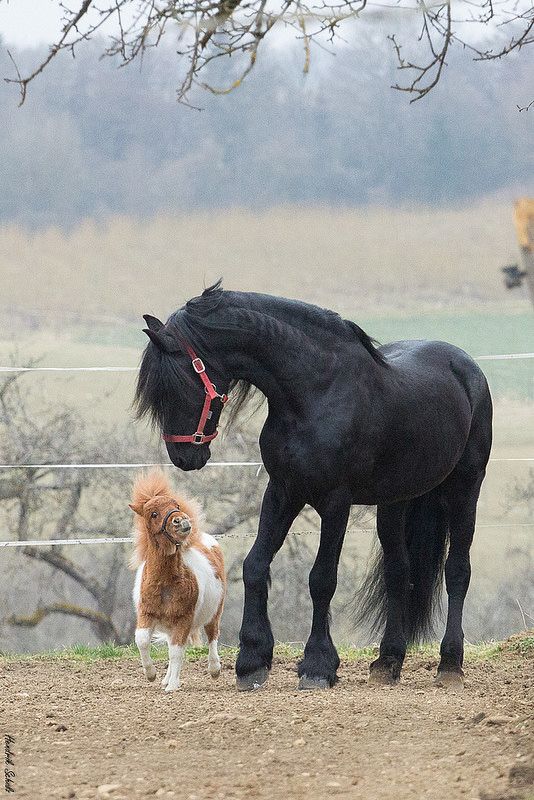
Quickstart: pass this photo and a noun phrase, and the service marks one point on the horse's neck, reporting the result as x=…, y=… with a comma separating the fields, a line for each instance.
x=280, y=360
x=165, y=566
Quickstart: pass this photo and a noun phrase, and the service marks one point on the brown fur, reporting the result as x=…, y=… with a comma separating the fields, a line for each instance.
x=169, y=590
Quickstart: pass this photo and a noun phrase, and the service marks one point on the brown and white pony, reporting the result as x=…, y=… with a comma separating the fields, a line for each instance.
x=180, y=582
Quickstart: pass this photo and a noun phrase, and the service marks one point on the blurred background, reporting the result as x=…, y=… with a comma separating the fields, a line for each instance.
x=331, y=188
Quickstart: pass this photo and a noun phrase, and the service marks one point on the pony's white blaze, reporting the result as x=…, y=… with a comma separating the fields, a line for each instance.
x=210, y=588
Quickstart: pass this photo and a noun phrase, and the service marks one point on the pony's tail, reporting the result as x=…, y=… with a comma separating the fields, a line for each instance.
x=427, y=529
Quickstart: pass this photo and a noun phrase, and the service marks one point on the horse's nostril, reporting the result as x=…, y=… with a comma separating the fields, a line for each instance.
x=185, y=525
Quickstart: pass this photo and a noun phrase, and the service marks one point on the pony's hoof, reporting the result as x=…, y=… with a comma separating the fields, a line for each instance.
x=215, y=673
x=450, y=680
x=171, y=688
x=252, y=682
x=306, y=683
x=150, y=673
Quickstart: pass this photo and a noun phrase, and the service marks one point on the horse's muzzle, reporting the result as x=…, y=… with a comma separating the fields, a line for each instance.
x=182, y=525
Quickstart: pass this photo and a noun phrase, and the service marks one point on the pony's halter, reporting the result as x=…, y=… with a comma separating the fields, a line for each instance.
x=199, y=437
x=164, y=530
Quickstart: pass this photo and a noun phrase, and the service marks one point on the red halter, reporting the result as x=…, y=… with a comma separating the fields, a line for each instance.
x=199, y=437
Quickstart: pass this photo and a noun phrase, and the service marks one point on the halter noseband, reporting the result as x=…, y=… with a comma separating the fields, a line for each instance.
x=164, y=530
x=199, y=437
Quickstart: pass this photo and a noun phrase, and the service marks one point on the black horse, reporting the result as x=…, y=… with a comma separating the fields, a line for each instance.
x=406, y=427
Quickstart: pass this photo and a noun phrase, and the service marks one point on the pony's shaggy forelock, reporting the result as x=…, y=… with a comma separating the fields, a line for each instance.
x=156, y=484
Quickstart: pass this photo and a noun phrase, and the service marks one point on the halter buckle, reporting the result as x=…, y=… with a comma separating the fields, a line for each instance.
x=198, y=438
x=198, y=365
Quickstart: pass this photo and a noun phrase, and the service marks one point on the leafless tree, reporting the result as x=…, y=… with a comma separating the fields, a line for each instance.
x=208, y=31
x=47, y=503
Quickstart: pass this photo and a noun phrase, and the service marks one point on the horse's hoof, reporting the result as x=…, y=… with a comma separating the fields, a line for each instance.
x=381, y=677
x=449, y=680
x=150, y=673
x=215, y=673
x=306, y=683
x=170, y=688
x=252, y=682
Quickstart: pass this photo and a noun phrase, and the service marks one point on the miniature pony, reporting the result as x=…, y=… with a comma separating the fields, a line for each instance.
x=180, y=582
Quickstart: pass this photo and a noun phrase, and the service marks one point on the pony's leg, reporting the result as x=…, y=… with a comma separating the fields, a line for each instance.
x=165, y=679
x=462, y=496
x=318, y=668
x=212, y=632
x=176, y=657
x=143, y=636
x=195, y=639
x=390, y=527
x=255, y=637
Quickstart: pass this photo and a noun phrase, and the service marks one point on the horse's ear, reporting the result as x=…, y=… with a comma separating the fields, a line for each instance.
x=157, y=338
x=137, y=507
x=153, y=323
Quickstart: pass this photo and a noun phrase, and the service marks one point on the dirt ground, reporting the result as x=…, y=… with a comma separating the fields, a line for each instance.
x=98, y=730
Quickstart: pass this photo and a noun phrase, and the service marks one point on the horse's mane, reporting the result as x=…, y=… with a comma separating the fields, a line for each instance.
x=163, y=377
x=156, y=484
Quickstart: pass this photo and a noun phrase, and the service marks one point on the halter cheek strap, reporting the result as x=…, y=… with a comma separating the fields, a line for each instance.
x=199, y=437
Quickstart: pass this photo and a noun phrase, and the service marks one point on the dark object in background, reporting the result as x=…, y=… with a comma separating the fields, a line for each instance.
x=513, y=276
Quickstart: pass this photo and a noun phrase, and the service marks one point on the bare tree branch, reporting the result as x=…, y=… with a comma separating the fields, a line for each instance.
x=57, y=560
x=102, y=621
x=210, y=30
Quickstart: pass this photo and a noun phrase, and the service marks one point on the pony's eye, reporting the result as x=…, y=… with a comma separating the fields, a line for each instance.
x=154, y=514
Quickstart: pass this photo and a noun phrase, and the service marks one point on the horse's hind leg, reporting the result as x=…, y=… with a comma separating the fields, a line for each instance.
x=212, y=632
x=390, y=522
x=318, y=668
x=195, y=638
x=462, y=494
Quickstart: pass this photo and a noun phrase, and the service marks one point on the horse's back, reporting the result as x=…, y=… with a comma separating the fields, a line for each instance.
x=437, y=362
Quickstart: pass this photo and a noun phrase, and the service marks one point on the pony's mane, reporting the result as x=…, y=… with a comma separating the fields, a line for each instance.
x=150, y=484
x=163, y=377
x=156, y=484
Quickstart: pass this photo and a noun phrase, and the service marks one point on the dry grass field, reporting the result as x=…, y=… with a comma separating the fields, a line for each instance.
x=373, y=259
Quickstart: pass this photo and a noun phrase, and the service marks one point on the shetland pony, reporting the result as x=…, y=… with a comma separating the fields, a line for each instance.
x=180, y=582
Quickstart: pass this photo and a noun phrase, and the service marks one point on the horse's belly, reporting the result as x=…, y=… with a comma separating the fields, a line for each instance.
x=210, y=588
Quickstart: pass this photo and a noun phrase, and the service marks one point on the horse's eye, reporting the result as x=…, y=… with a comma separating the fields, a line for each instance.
x=154, y=514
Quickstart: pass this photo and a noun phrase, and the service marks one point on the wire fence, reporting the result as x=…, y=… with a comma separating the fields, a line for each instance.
x=493, y=357
x=258, y=464
x=227, y=535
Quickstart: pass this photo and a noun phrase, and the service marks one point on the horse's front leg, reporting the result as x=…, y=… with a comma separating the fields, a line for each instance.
x=177, y=641
x=318, y=668
x=255, y=638
x=390, y=524
x=143, y=637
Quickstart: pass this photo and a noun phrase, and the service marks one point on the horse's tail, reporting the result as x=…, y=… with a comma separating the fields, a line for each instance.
x=426, y=531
